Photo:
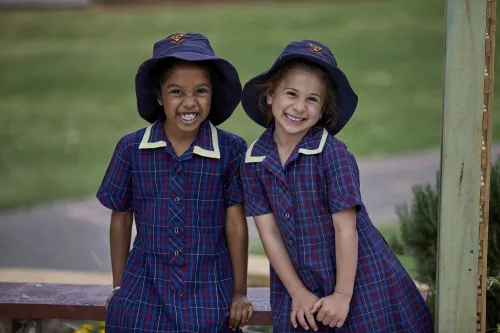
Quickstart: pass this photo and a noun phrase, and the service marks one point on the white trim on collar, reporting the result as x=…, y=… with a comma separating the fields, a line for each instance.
x=215, y=142
x=145, y=144
x=320, y=147
x=253, y=159
x=257, y=159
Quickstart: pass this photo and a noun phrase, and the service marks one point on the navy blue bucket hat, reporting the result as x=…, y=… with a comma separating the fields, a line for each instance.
x=226, y=85
x=313, y=52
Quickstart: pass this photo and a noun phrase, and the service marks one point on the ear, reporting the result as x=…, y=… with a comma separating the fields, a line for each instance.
x=269, y=98
x=158, y=97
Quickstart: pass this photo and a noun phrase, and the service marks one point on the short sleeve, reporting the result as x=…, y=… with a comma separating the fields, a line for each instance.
x=115, y=191
x=233, y=191
x=256, y=200
x=342, y=176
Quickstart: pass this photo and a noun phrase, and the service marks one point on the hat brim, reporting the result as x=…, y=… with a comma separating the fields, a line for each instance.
x=347, y=98
x=226, y=94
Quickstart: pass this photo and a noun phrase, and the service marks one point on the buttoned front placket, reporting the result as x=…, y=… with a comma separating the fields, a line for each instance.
x=285, y=216
x=177, y=216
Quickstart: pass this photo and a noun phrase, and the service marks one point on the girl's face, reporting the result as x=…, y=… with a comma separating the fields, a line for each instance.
x=297, y=101
x=185, y=96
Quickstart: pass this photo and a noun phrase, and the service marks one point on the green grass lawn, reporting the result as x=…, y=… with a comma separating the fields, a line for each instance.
x=388, y=231
x=67, y=79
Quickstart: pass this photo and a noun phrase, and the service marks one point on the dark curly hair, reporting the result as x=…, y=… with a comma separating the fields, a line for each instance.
x=330, y=110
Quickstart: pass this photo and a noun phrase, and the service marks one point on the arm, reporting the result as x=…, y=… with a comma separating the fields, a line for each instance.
x=237, y=240
x=335, y=307
x=302, y=299
x=241, y=310
x=346, y=249
x=344, y=200
x=120, y=234
x=277, y=253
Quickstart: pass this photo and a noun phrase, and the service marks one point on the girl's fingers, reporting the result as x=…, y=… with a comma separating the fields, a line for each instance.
x=250, y=312
x=316, y=306
x=244, y=316
x=321, y=315
x=302, y=319
x=334, y=322
x=232, y=315
x=293, y=317
x=327, y=320
x=312, y=322
x=237, y=317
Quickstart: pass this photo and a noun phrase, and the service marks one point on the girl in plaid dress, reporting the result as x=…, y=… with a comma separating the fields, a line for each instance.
x=178, y=178
x=332, y=271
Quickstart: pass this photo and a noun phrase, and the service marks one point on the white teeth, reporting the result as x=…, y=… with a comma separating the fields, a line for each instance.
x=188, y=116
x=293, y=118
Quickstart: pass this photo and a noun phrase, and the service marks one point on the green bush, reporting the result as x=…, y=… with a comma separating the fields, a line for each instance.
x=419, y=230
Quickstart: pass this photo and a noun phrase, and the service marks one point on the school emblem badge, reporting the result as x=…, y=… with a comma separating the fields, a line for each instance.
x=316, y=49
x=177, y=38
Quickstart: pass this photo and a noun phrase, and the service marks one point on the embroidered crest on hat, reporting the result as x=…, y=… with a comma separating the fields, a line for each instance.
x=315, y=48
x=177, y=38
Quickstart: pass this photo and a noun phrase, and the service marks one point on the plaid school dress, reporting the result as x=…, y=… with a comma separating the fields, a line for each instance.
x=319, y=179
x=178, y=276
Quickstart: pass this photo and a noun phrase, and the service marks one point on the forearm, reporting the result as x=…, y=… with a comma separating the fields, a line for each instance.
x=280, y=260
x=237, y=241
x=346, y=249
x=120, y=235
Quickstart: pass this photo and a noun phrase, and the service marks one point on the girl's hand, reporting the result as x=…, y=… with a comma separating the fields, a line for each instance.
x=334, y=309
x=240, y=311
x=302, y=303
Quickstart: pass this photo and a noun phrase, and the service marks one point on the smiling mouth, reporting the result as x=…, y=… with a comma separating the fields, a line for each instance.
x=188, y=117
x=294, y=119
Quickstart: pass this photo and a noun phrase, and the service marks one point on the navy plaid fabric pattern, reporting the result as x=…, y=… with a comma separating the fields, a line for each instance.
x=319, y=179
x=178, y=277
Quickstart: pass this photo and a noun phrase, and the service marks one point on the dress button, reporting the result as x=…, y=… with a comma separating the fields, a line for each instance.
x=287, y=216
x=177, y=199
x=290, y=241
x=178, y=170
x=176, y=253
x=285, y=188
x=176, y=230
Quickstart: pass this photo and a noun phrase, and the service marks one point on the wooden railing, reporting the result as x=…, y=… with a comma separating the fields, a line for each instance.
x=27, y=301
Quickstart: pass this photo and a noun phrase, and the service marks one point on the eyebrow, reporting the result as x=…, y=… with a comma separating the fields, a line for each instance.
x=180, y=87
x=313, y=94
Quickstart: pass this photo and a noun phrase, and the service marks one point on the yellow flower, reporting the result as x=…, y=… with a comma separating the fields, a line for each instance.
x=101, y=330
x=102, y=324
x=87, y=327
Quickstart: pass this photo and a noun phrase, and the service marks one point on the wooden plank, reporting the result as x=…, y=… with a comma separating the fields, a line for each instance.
x=463, y=98
x=86, y=302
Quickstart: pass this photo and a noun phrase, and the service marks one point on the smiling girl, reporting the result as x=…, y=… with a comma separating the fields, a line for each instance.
x=332, y=270
x=179, y=179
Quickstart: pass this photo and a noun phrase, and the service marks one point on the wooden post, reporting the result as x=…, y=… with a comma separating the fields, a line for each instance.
x=459, y=208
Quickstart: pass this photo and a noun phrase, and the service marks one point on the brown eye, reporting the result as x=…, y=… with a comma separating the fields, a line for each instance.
x=291, y=93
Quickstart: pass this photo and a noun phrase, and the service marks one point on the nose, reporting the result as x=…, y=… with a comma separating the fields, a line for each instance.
x=189, y=101
x=299, y=106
